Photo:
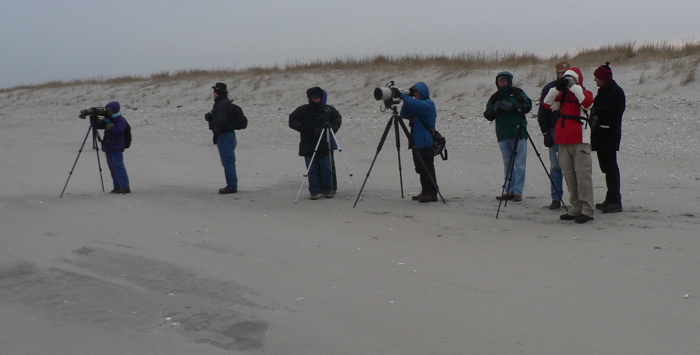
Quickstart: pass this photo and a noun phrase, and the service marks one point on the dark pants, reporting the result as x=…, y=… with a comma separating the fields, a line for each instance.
x=607, y=160
x=426, y=170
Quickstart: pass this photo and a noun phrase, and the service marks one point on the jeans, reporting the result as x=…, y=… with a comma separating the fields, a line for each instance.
x=514, y=183
x=319, y=174
x=115, y=162
x=227, y=152
x=555, y=172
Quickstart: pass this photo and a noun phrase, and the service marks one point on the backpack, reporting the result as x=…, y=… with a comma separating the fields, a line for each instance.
x=239, y=121
x=127, y=136
x=439, y=142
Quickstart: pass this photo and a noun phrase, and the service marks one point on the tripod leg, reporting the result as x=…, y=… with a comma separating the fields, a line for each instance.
x=340, y=151
x=379, y=148
x=95, y=146
x=561, y=198
x=425, y=167
x=308, y=168
x=397, y=119
x=76, y=160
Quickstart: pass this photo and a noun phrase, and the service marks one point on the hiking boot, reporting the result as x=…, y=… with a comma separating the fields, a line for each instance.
x=417, y=197
x=505, y=197
x=428, y=198
x=555, y=205
x=582, y=218
x=327, y=194
x=602, y=205
x=314, y=197
x=612, y=208
x=567, y=217
x=227, y=190
x=517, y=198
x=120, y=190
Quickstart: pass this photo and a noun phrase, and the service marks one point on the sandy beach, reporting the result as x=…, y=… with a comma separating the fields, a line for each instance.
x=176, y=268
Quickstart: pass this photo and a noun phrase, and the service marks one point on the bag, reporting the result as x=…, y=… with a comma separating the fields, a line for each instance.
x=127, y=136
x=439, y=144
x=240, y=121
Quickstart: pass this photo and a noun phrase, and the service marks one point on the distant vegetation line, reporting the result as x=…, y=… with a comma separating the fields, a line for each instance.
x=624, y=53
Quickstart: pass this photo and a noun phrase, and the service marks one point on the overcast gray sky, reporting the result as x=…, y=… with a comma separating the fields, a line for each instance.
x=69, y=39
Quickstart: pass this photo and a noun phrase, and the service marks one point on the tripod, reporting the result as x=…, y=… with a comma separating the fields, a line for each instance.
x=509, y=174
x=396, y=121
x=327, y=132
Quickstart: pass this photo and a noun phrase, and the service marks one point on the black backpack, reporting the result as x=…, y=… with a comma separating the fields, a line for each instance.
x=127, y=136
x=239, y=121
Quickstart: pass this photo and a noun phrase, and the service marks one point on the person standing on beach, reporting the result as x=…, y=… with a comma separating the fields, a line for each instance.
x=508, y=106
x=608, y=107
x=310, y=120
x=223, y=120
x=572, y=134
x=114, y=144
x=547, y=119
x=419, y=109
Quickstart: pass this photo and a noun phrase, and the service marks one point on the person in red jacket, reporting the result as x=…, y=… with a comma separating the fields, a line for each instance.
x=572, y=134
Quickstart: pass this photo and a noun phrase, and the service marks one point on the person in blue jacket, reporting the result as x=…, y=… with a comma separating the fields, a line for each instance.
x=420, y=110
x=113, y=144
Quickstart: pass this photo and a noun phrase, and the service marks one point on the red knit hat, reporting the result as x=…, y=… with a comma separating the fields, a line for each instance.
x=604, y=72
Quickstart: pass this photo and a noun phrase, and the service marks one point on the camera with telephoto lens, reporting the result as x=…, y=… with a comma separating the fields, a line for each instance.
x=390, y=94
x=96, y=111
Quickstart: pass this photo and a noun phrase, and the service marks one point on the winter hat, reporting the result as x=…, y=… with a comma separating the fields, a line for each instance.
x=220, y=88
x=572, y=74
x=114, y=107
x=562, y=66
x=604, y=73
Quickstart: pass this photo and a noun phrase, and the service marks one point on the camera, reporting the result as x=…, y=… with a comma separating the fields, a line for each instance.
x=96, y=111
x=390, y=94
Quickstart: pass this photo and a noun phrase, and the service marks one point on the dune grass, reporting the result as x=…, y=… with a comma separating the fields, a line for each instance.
x=681, y=57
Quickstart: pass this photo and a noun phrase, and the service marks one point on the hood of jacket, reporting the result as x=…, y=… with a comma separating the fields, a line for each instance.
x=576, y=73
x=423, y=89
x=314, y=91
x=506, y=89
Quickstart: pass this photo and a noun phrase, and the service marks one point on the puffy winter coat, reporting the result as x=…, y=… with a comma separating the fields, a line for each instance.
x=507, y=123
x=113, y=140
x=423, y=107
x=223, y=115
x=573, y=104
x=309, y=121
x=608, y=106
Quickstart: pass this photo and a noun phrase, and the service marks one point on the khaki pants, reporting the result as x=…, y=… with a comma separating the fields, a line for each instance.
x=576, y=165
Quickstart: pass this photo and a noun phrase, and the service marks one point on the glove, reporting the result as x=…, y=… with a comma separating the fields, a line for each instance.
x=215, y=139
x=503, y=106
x=593, y=122
x=207, y=116
x=108, y=123
x=548, y=140
x=396, y=92
x=561, y=84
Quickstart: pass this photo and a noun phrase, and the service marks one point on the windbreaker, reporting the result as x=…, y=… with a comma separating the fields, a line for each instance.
x=573, y=105
x=507, y=123
x=423, y=107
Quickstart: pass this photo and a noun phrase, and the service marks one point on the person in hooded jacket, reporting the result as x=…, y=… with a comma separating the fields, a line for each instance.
x=420, y=110
x=608, y=107
x=572, y=134
x=547, y=119
x=508, y=107
x=221, y=122
x=113, y=144
x=310, y=120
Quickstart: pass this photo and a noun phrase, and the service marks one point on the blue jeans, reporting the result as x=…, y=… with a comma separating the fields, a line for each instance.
x=320, y=177
x=555, y=171
x=115, y=162
x=515, y=182
x=227, y=152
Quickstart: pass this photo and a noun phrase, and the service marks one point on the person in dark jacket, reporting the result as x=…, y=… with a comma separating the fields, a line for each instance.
x=547, y=119
x=421, y=112
x=508, y=106
x=608, y=107
x=310, y=120
x=222, y=120
x=113, y=144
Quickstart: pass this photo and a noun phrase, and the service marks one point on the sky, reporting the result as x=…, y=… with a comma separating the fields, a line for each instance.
x=65, y=40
